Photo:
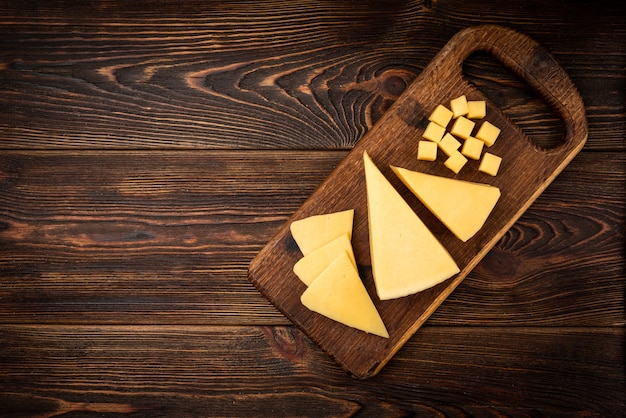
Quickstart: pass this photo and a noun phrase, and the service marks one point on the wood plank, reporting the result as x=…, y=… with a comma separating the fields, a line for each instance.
x=191, y=371
x=297, y=75
x=166, y=237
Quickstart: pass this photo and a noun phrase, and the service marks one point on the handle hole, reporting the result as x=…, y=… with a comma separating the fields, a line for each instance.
x=516, y=99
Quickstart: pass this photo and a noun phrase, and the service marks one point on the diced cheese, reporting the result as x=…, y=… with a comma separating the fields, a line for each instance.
x=427, y=150
x=472, y=148
x=462, y=206
x=338, y=294
x=406, y=257
x=441, y=116
x=455, y=162
x=490, y=164
x=449, y=144
x=488, y=133
x=462, y=127
x=434, y=132
x=313, y=232
x=459, y=106
x=476, y=109
x=312, y=264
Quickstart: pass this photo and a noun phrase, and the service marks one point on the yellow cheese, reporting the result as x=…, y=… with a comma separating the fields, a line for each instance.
x=313, y=232
x=427, y=150
x=488, y=133
x=476, y=109
x=406, y=257
x=462, y=127
x=459, y=106
x=455, y=162
x=434, y=132
x=472, y=148
x=312, y=264
x=490, y=164
x=441, y=116
x=461, y=205
x=338, y=294
x=449, y=144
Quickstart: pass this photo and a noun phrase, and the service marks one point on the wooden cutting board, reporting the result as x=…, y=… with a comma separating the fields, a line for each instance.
x=525, y=172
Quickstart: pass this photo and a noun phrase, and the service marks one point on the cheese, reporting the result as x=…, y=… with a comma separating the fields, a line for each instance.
x=312, y=264
x=459, y=106
x=472, y=148
x=313, y=232
x=461, y=205
x=476, y=109
x=338, y=294
x=406, y=257
x=449, y=144
x=427, y=150
x=488, y=133
x=441, y=116
x=490, y=164
x=462, y=127
x=434, y=132
x=455, y=162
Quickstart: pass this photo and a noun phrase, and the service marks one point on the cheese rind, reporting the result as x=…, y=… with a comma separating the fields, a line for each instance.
x=461, y=205
x=339, y=294
x=406, y=257
x=312, y=264
x=313, y=232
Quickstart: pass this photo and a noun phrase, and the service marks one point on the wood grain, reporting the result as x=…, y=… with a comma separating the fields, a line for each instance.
x=295, y=75
x=525, y=172
x=202, y=370
x=166, y=237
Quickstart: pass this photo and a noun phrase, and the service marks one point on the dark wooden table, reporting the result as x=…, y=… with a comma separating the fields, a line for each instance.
x=150, y=149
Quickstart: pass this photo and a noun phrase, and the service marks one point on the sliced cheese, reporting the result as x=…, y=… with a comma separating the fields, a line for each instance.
x=313, y=232
x=461, y=205
x=312, y=264
x=338, y=294
x=406, y=256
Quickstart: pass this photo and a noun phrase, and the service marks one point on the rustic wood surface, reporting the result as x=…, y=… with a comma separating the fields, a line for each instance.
x=149, y=150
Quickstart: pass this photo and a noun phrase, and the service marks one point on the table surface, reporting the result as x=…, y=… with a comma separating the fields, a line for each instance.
x=150, y=149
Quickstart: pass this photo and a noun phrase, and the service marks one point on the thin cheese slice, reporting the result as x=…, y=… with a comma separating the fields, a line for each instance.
x=406, y=256
x=461, y=205
x=338, y=294
x=312, y=264
x=313, y=232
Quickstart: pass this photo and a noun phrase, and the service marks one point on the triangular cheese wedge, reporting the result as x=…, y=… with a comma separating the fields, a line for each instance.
x=338, y=293
x=460, y=205
x=406, y=256
x=312, y=264
x=313, y=232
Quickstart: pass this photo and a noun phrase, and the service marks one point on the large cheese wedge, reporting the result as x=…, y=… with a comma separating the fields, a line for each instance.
x=338, y=294
x=461, y=205
x=312, y=264
x=406, y=257
x=313, y=232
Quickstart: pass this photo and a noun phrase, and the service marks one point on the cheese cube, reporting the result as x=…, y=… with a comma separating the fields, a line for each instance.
x=462, y=127
x=490, y=164
x=488, y=133
x=427, y=150
x=434, y=132
x=459, y=106
x=476, y=109
x=455, y=162
x=472, y=148
x=441, y=116
x=449, y=144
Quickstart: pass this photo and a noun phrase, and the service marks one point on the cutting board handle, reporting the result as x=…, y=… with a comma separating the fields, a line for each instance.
x=532, y=63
